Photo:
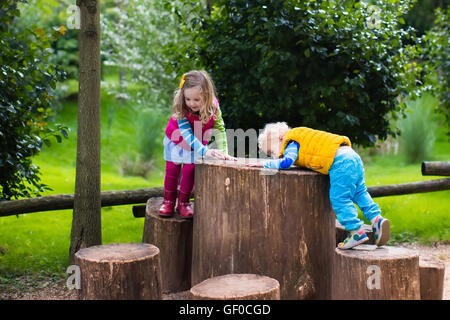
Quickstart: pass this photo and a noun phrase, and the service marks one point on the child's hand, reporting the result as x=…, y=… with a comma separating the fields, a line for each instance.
x=216, y=154
x=256, y=165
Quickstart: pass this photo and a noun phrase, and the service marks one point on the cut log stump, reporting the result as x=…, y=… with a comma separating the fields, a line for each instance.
x=237, y=287
x=368, y=272
x=173, y=236
x=341, y=233
x=432, y=272
x=119, y=271
x=276, y=223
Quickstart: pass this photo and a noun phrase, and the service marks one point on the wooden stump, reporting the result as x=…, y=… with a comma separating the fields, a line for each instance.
x=370, y=273
x=119, y=271
x=341, y=233
x=173, y=236
x=432, y=272
x=276, y=223
x=237, y=287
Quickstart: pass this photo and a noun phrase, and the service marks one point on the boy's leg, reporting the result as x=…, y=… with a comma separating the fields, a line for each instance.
x=342, y=189
x=371, y=210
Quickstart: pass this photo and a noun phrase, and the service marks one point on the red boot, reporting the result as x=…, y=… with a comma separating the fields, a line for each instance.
x=166, y=210
x=184, y=206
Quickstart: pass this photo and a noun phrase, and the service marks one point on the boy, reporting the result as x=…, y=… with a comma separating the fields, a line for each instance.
x=330, y=154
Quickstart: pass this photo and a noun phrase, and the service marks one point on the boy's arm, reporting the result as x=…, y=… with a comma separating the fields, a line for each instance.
x=188, y=136
x=289, y=157
x=219, y=133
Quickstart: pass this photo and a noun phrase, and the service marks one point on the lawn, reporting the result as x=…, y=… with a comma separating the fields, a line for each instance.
x=38, y=243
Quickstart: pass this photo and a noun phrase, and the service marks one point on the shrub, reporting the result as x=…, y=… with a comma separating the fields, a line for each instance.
x=26, y=77
x=418, y=129
x=339, y=66
x=435, y=51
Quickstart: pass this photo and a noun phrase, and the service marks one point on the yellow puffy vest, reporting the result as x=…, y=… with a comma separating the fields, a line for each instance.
x=317, y=148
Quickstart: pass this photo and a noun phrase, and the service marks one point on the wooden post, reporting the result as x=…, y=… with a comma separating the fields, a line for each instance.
x=173, y=236
x=368, y=272
x=436, y=168
x=276, y=223
x=128, y=271
x=237, y=287
x=432, y=272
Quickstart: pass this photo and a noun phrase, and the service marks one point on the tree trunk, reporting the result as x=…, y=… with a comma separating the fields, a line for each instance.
x=275, y=223
x=173, y=236
x=237, y=287
x=432, y=272
x=368, y=272
x=86, y=223
x=119, y=271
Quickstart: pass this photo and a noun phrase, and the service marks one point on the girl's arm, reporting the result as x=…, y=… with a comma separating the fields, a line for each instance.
x=188, y=136
x=289, y=157
x=219, y=133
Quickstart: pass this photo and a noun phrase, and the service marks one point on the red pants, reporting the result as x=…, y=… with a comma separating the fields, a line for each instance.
x=172, y=177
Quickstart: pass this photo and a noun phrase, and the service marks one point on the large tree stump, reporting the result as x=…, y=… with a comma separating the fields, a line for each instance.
x=253, y=220
x=341, y=233
x=119, y=271
x=368, y=272
x=432, y=272
x=237, y=287
x=173, y=236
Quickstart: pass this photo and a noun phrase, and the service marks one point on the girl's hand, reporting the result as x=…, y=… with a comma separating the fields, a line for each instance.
x=256, y=165
x=216, y=154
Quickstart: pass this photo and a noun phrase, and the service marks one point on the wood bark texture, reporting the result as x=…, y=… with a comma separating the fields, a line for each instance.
x=86, y=222
x=268, y=222
x=432, y=275
x=119, y=271
x=173, y=236
x=237, y=287
x=367, y=272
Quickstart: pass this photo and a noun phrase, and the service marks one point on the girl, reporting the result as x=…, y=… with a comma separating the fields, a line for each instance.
x=195, y=106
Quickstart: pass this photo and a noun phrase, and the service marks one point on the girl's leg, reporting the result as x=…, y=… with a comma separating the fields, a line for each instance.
x=187, y=178
x=172, y=176
x=186, y=187
x=170, y=188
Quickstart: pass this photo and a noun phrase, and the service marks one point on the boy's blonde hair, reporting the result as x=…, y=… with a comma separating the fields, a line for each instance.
x=270, y=131
x=201, y=79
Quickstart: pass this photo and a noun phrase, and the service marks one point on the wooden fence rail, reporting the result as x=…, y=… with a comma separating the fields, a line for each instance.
x=125, y=197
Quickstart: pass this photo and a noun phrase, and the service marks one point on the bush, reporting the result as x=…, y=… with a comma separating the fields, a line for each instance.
x=26, y=78
x=418, y=129
x=435, y=51
x=339, y=66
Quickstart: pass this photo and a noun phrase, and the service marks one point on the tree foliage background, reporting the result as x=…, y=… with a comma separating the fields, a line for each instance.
x=340, y=66
x=26, y=83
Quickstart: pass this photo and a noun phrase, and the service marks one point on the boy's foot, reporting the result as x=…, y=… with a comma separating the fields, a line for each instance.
x=380, y=227
x=354, y=238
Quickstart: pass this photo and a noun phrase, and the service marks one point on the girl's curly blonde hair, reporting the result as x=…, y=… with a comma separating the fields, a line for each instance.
x=202, y=80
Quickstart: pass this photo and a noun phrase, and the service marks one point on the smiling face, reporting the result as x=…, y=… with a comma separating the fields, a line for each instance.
x=193, y=98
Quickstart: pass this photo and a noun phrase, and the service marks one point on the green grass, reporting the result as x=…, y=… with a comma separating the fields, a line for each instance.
x=423, y=217
x=38, y=243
